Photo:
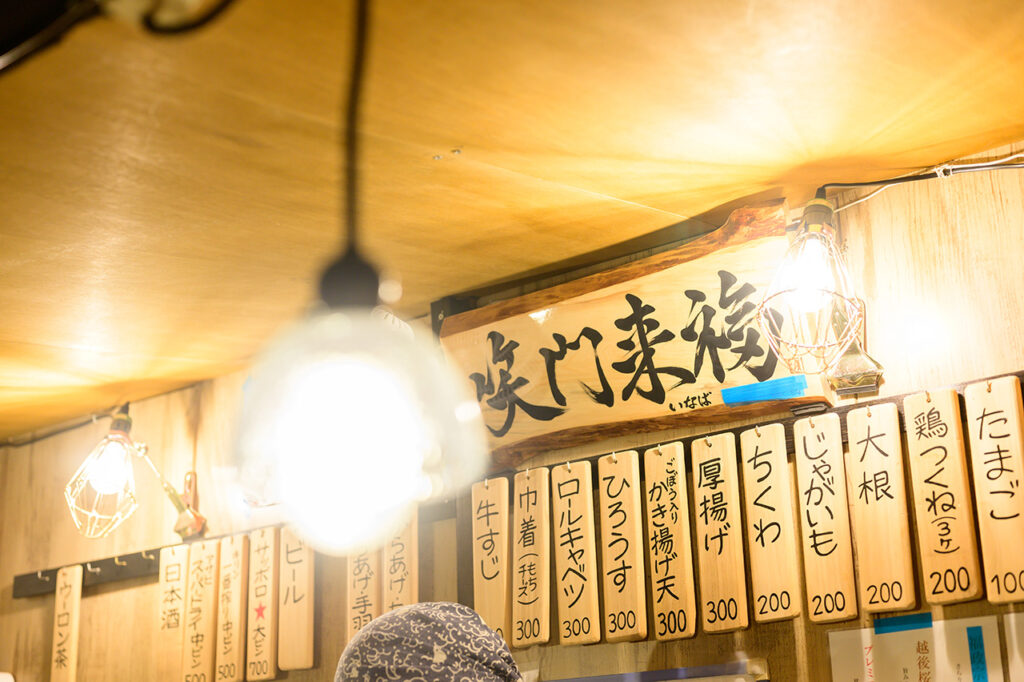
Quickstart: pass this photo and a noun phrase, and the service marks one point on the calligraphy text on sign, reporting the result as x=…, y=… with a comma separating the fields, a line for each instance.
x=824, y=519
x=994, y=421
x=671, y=561
x=201, y=615
x=490, y=554
x=295, y=617
x=942, y=499
x=875, y=467
x=531, y=551
x=716, y=498
x=655, y=346
x=231, y=609
x=170, y=611
x=575, y=550
x=622, y=552
x=66, y=610
x=771, y=531
x=261, y=640
x=401, y=566
x=363, y=590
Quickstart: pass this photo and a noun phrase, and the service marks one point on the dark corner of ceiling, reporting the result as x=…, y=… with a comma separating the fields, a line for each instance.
x=27, y=27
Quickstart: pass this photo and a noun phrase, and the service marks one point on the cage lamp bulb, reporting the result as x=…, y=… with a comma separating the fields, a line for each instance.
x=810, y=314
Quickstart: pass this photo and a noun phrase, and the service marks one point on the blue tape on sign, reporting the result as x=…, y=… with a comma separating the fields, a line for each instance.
x=976, y=647
x=735, y=668
x=914, y=621
x=774, y=389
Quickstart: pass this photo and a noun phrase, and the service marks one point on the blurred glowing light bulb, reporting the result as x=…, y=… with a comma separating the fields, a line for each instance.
x=101, y=494
x=112, y=467
x=350, y=420
x=811, y=270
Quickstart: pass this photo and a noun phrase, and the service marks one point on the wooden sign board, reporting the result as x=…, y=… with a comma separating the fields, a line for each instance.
x=664, y=341
x=199, y=656
x=531, y=558
x=622, y=547
x=824, y=519
x=874, y=468
x=400, y=564
x=491, y=584
x=575, y=547
x=771, y=526
x=942, y=497
x=994, y=422
x=364, y=594
x=295, y=604
x=170, y=614
x=67, y=609
x=719, y=528
x=669, y=552
x=233, y=595
x=261, y=631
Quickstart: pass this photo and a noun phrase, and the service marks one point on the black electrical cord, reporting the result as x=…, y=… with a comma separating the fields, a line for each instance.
x=351, y=114
x=75, y=12
x=151, y=25
x=350, y=281
x=939, y=172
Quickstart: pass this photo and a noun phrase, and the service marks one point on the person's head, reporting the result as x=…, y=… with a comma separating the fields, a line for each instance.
x=428, y=642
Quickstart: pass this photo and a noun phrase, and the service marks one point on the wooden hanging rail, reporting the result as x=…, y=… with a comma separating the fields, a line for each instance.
x=146, y=562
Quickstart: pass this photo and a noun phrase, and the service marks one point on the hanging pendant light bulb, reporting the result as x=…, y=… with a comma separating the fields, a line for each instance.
x=350, y=418
x=810, y=314
x=101, y=494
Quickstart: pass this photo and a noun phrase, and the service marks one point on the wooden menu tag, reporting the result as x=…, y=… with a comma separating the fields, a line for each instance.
x=295, y=604
x=771, y=526
x=824, y=519
x=400, y=564
x=575, y=547
x=67, y=605
x=881, y=529
x=364, y=594
x=942, y=498
x=994, y=417
x=668, y=548
x=199, y=655
x=170, y=637
x=622, y=547
x=531, y=558
x=716, y=499
x=261, y=640
x=231, y=612
x=491, y=584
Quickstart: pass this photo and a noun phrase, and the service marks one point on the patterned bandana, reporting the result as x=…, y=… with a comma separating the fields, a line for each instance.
x=428, y=643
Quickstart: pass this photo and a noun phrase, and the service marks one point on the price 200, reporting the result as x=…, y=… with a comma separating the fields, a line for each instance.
x=950, y=580
x=823, y=604
x=773, y=603
x=883, y=593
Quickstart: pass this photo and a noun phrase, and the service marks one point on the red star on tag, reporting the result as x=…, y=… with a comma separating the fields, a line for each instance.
x=259, y=610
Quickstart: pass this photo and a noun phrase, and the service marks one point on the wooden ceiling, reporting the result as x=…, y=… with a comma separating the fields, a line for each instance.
x=166, y=203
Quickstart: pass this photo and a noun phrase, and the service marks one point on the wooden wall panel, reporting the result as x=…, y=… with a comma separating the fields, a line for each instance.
x=938, y=265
